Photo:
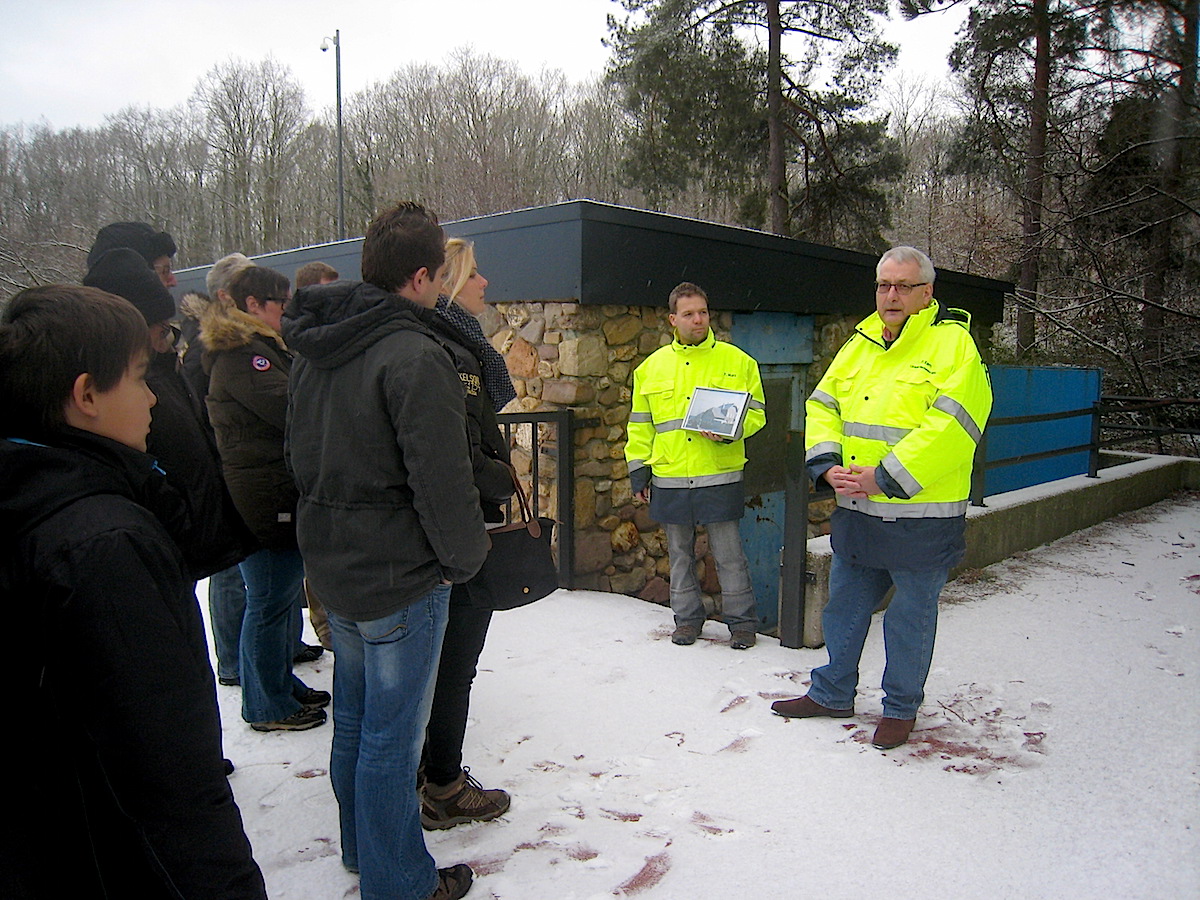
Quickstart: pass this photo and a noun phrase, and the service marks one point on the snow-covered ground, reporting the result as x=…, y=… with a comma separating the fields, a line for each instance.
x=1056, y=755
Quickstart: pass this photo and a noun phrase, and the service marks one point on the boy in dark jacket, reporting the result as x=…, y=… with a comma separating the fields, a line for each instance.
x=119, y=787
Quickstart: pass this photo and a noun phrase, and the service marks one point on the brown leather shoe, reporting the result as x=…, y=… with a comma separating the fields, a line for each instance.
x=804, y=708
x=742, y=640
x=685, y=635
x=892, y=732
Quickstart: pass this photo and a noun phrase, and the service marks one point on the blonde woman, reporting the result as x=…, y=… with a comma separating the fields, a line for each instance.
x=450, y=796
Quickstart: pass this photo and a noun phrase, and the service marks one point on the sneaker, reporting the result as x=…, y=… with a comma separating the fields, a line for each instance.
x=312, y=698
x=463, y=800
x=229, y=680
x=742, y=640
x=304, y=718
x=453, y=882
x=310, y=653
x=685, y=635
x=228, y=767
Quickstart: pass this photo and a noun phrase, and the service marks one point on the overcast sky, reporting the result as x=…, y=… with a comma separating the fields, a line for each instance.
x=72, y=62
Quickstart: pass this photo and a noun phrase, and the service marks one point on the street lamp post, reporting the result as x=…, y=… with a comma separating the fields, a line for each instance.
x=336, y=40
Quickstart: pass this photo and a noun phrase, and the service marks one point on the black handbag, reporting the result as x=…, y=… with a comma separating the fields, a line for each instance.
x=520, y=567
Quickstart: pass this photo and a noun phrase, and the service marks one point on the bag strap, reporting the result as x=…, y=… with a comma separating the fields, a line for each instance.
x=530, y=521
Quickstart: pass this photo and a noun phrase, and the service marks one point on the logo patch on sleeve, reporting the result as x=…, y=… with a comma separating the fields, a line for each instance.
x=261, y=364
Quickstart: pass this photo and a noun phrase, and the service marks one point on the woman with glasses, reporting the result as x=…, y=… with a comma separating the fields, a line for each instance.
x=248, y=365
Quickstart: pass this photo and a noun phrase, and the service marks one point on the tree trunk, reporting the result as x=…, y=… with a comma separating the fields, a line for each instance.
x=776, y=170
x=1180, y=105
x=1035, y=172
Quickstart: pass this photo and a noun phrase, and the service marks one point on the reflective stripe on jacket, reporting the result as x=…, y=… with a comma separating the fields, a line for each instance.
x=916, y=408
x=662, y=390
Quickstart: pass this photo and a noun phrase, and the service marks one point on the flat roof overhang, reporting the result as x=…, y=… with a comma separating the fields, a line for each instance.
x=600, y=254
x=596, y=253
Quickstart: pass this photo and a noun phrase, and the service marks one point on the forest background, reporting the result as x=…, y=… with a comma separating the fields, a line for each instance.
x=1062, y=154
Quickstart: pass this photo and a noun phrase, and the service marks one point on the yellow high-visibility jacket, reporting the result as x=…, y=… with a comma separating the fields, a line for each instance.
x=662, y=389
x=917, y=408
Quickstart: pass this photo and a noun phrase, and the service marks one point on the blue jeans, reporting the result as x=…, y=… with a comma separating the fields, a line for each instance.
x=738, y=609
x=226, y=609
x=909, y=628
x=274, y=582
x=382, y=691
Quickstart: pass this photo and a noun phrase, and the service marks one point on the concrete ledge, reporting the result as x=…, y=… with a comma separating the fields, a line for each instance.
x=1030, y=517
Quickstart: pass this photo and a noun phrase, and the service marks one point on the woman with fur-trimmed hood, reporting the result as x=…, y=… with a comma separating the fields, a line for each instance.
x=248, y=364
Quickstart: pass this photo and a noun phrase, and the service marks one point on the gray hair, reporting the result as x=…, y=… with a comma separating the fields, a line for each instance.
x=904, y=254
x=223, y=270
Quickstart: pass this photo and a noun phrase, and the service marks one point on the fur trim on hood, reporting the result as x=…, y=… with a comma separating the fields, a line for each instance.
x=225, y=327
x=193, y=305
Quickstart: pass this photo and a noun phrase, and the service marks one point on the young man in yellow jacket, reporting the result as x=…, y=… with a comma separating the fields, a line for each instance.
x=892, y=427
x=696, y=475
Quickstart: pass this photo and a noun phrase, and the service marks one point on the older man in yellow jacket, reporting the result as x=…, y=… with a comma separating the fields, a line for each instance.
x=892, y=427
x=696, y=475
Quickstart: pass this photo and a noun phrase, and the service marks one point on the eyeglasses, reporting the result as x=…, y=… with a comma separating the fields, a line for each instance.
x=882, y=287
x=280, y=300
x=164, y=331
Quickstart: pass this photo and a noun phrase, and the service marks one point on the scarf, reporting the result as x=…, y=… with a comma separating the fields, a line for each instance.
x=496, y=379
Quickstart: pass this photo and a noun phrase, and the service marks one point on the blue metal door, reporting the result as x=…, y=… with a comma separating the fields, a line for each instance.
x=782, y=344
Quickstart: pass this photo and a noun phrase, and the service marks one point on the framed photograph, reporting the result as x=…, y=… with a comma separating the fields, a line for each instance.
x=717, y=410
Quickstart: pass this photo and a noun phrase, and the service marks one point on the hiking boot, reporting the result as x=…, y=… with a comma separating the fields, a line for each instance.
x=453, y=882
x=310, y=653
x=804, y=708
x=311, y=698
x=742, y=640
x=304, y=718
x=463, y=800
x=685, y=635
x=891, y=733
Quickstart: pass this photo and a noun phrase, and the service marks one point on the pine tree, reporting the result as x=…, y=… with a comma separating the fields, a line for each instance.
x=711, y=105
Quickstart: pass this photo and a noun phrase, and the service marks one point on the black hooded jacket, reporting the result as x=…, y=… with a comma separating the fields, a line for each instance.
x=118, y=786
x=214, y=536
x=378, y=443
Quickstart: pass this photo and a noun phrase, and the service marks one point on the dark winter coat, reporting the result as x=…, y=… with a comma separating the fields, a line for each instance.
x=248, y=364
x=116, y=784
x=214, y=537
x=378, y=443
x=490, y=454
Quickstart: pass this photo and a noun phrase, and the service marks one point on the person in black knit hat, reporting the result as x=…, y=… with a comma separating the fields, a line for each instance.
x=155, y=247
x=213, y=536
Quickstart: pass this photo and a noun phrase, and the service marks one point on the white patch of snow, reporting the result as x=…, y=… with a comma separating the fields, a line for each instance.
x=1056, y=754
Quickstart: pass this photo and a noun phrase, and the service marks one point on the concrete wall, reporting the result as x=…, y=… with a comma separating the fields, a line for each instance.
x=1030, y=517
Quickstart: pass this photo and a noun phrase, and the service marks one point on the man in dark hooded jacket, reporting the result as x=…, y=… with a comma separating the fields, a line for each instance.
x=388, y=518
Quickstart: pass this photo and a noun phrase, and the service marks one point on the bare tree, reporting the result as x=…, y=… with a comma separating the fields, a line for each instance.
x=253, y=115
